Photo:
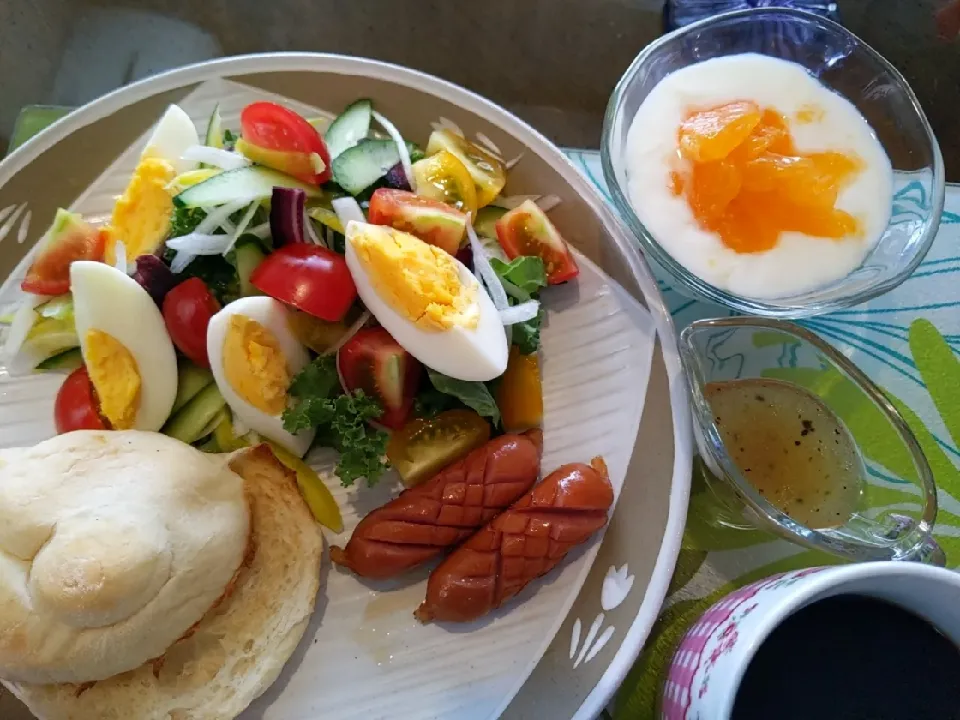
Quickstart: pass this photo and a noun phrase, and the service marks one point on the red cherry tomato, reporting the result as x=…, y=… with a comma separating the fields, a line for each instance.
x=526, y=230
x=432, y=221
x=187, y=310
x=310, y=278
x=76, y=406
x=50, y=272
x=287, y=137
x=374, y=362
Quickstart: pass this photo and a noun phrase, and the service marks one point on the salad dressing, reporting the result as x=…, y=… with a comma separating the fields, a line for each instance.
x=791, y=447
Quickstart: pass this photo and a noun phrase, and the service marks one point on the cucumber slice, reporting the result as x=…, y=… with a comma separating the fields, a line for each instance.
x=214, y=422
x=350, y=127
x=191, y=379
x=189, y=423
x=486, y=222
x=67, y=361
x=246, y=256
x=361, y=166
x=210, y=446
x=247, y=183
x=214, y=137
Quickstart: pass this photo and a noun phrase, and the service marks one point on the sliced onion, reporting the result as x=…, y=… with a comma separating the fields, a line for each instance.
x=509, y=202
x=286, y=216
x=351, y=331
x=489, y=145
x=216, y=217
x=548, y=202
x=240, y=428
x=218, y=157
x=200, y=244
x=447, y=124
x=23, y=320
x=241, y=226
x=347, y=209
x=401, y=147
x=180, y=261
x=310, y=231
x=520, y=313
x=482, y=265
x=120, y=254
x=511, y=163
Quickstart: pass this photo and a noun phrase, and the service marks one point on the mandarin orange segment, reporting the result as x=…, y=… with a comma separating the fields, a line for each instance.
x=712, y=186
x=711, y=135
x=748, y=182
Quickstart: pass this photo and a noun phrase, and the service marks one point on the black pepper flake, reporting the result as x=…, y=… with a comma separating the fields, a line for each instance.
x=797, y=443
x=760, y=398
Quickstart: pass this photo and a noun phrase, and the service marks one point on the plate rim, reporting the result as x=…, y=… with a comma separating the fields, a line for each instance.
x=228, y=67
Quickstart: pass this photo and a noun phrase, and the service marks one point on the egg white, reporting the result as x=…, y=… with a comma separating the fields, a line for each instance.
x=272, y=315
x=106, y=299
x=171, y=137
x=479, y=353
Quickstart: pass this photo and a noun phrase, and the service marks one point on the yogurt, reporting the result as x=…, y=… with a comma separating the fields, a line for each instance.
x=818, y=120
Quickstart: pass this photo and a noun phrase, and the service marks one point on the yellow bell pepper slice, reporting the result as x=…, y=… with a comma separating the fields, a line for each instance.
x=319, y=498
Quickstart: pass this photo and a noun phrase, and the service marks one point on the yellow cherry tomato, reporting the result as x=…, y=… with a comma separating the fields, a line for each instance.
x=488, y=173
x=423, y=447
x=443, y=177
x=318, y=496
x=317, y=334
x=520, y=394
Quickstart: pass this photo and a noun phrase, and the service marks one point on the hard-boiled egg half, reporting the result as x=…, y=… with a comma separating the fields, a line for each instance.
x=125, y=346
x=253, y=356
x=428, y=301
x=141, y=216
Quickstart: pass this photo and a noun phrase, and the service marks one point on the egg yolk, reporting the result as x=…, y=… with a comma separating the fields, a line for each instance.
x=418, y=280
x=745, y=179
x=255, y=366
x=141, y=216
x=116, y=378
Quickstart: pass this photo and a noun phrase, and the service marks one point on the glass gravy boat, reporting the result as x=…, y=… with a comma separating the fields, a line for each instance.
x=739, y=348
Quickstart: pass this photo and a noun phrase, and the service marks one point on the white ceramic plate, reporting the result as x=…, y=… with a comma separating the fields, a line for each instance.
x=610, y=388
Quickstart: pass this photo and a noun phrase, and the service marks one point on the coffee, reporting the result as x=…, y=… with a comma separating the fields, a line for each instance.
x=790, y=447
x=852, y=657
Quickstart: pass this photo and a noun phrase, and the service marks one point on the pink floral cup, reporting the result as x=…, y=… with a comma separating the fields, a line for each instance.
x=713, y=655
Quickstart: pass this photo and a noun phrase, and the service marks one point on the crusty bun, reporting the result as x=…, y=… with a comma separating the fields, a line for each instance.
x=112, y=545
x=238, y=650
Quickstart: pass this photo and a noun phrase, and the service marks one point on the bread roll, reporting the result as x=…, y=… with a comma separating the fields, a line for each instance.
x=112, y=546
x=238, y=650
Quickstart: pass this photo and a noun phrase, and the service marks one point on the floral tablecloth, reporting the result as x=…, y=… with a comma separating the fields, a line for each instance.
x=908, y=342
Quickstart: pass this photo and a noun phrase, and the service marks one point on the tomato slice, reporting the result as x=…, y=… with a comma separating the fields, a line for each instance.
x=283, y=140
x=187, y=310
x=310, y=278
x=520, y=393
x=50, y=272
x=374, y=362
x=489, y=174
x=423, y=447
x=76, y=406
x=444, y=178
x=432, y=221
x=526, y=230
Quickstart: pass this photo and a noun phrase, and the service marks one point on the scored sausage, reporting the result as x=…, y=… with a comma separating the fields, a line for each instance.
x=528, y=540
x=426, y=520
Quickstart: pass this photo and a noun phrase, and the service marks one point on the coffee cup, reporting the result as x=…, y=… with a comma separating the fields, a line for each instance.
x=713, y=657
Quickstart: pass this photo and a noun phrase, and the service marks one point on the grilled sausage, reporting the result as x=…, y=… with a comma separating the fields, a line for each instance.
x=426, y=520
x=526, y=541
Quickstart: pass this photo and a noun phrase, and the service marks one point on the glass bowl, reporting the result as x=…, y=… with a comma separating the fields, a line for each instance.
x=843, y=63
